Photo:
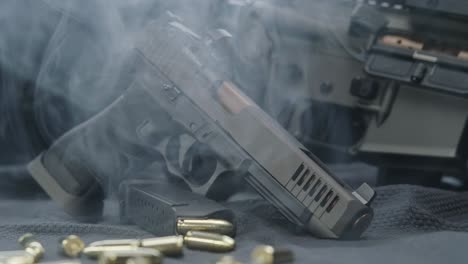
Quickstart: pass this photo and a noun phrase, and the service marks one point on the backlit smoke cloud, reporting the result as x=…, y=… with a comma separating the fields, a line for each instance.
x=74, y=58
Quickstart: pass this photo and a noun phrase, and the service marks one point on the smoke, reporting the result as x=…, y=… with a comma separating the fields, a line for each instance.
x=65, y=57
x=296, y=61
x=73, y=61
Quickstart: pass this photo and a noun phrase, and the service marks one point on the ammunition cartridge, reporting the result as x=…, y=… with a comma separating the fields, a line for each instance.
x=168, y=245
x=209, y=241
x=463, y=55
x=95, y=251
x=72, y=246
x=116, y=242
x=228, y=260
x=269, y=255
x=66, y=261
x=138, y=260
x=218, y=226
x=32, y=246
x=16, y=257
x=122, y=257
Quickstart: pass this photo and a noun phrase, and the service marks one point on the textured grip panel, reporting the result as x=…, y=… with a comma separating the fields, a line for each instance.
x=101, y=152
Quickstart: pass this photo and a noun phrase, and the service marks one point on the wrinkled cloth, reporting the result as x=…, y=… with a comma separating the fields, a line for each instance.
x=411, y=225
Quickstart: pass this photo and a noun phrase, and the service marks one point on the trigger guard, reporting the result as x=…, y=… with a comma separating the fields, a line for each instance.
x=174, y=157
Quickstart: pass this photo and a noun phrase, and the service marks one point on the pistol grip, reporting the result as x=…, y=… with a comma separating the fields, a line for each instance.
x=91, y=159
x=87, y=204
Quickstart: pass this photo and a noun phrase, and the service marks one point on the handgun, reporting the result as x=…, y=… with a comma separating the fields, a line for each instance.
x=181, y=103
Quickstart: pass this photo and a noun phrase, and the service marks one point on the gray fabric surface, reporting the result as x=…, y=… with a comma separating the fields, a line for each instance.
x=412, y=225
